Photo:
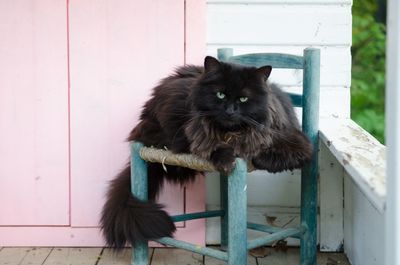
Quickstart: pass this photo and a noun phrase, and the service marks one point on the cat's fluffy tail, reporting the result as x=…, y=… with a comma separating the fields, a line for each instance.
x=127, y=219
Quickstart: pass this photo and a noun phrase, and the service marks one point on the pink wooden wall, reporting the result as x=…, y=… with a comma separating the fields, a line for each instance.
x=73, y=77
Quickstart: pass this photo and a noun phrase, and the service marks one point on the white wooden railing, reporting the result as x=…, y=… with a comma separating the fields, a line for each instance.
x=352, y=191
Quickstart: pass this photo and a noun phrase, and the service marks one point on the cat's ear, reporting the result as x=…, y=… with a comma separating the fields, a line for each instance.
x=264, y=71
x=211, y=64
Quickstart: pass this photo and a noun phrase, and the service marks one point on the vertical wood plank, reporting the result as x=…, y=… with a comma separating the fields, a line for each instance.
x=194, y=230
x=195, y=31
x=195, y=49
x=331, y=202
x=174, y=195
x=33, y=113
x=119, y=51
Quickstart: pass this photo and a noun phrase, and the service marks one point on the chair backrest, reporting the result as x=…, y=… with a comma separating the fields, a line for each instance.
x=309, y=62
x=309, y=101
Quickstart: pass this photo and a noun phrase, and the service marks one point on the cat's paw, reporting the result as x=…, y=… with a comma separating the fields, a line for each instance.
x=223, y=159
x=277, y=161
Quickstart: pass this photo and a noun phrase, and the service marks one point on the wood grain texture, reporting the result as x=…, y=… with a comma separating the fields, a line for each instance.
x=36, y=256
x=73, y=256
x=289, y=24
x=50, y=236
x=195, y=31
x=273, y=256
x=237, y=214
x=292, y=256
x=331, y=197
x=286, y=2
x=211, y=261
x=364, y=235
x=335, y=62
x=110, y=257
x=276, y=60
x=168, y=256
x=33, y=113
x=309, y=173
x=114, y=48
x=139, y=189
x=13, y=256
x=360, y=154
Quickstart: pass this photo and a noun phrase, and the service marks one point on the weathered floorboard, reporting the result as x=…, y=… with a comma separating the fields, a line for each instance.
x=332, y=258
x=171, y=256
x=212, y=261
x=158, y=256
x=36, y=256
x=292, y=256
x=109, y=257
x=73, y=256
x=12, y=256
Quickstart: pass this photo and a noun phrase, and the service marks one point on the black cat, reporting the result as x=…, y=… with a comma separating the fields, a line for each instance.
x=218, y=112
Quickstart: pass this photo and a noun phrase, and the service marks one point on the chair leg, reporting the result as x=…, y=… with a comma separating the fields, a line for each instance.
x=224, y=206
x=309, y=174
x=140, y=253
x=237, y=214
x=308, y=241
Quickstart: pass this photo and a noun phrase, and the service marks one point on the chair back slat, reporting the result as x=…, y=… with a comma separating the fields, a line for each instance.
x=297, y=99
x=283, y=61
x=276, y=60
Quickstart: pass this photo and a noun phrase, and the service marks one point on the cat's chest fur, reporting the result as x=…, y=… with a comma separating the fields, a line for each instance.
x=205, y=138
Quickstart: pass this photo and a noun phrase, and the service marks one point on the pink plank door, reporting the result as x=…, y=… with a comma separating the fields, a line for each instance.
x=114, y=53
x=33, y=113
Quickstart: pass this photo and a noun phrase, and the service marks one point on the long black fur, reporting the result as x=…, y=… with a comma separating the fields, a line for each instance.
x=187, y=114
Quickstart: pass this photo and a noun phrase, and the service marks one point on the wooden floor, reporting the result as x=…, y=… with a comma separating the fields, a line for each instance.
x=158, y=256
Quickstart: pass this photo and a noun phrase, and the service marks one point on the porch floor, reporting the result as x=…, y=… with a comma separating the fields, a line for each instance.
x=158, y=256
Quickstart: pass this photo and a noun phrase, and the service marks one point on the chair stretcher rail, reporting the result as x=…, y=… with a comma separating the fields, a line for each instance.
x=285, y=233
x=266, y=228
x=194, y=248
x=192, y=216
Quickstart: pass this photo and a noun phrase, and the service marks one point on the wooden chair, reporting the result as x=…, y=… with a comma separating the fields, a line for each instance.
x=233, y=211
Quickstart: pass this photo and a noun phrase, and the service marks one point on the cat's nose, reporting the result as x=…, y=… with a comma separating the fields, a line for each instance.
x=230, y=109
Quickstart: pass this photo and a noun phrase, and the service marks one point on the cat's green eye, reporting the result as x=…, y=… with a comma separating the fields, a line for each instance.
x=243, y=99
x=220, y=95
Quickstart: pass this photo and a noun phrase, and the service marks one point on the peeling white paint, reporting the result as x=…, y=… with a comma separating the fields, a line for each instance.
x=361, y=155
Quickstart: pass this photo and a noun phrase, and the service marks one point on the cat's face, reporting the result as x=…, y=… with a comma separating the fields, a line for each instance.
x=233, y=97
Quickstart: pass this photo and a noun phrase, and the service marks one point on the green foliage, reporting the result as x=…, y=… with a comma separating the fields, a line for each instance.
x=368, y=68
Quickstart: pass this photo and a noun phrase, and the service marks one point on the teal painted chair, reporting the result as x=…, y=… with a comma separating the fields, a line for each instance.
x=233, y=211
